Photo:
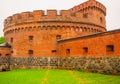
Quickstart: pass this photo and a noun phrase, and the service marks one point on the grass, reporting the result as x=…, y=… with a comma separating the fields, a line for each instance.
x=45, y=76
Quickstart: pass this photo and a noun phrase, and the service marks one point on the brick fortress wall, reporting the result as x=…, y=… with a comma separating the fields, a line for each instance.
x=100, y=44
x=37, y=31
x=34, y=36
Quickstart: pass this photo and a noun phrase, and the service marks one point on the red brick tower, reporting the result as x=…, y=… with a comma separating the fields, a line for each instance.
x=36, y=33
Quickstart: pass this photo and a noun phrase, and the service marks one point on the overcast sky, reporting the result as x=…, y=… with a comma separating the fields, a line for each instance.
x=10, y=7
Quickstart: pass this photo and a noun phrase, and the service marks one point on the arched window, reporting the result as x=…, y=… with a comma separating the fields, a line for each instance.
x=11, y=40
x=101, y=20
x=31, y=38
x=67, y=51
x=85, y=49
x=58, y=37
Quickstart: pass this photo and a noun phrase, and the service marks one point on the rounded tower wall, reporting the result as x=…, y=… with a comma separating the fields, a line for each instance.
x=95, y=11
x=44, y=36
x=37, y=32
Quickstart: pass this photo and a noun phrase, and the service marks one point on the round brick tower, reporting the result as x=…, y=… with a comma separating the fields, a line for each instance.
x=36, y=33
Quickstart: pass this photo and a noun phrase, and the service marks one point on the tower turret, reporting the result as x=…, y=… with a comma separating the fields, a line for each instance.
x=93, y=11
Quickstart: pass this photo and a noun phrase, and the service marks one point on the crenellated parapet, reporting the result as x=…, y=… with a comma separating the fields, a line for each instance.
x=49, y=16
x=91, y=4
x=84, y=16
x=91, y=12
x=37, y=15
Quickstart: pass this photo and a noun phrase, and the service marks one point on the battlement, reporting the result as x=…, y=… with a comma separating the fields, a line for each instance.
x=37, y=15
x=62, y=16
x=50, y=15
x=93, y=4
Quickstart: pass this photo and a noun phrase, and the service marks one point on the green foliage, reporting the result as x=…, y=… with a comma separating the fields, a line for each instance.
x=45, y=76
x=2, y=40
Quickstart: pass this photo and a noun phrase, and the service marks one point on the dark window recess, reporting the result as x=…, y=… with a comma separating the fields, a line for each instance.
x=30, y=52
x=67, y=51
x=85, y=49
x=11, y=40
x=58, y=37
x=12, y=51
x=85, y=15
x=31, y=38
x=54, y=51
x=7, y=54
x=101, y=20
x=110, y=48
x=0, y=54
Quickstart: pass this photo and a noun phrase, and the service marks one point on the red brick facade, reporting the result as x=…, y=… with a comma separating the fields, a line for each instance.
x=100, y=44
x=39, y=34
x=5, y=51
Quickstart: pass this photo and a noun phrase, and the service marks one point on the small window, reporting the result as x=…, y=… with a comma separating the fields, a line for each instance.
x=12, y=51
x=54, y=51
x=67, y=51
x=58, y=37
x=30, y=52
x=0, y=55
x=7, y=54
x=110, y=48
x=31, y=38
x=11, y=40
x=101, y=20
x=85, y=15
x=85, y=50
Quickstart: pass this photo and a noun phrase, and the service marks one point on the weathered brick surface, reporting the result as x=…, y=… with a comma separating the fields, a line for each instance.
x=96, y=44
x=74, y=26
x=45, y=27
x=4, y=51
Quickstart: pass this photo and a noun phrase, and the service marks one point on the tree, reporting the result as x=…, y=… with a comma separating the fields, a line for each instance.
x=2, y=40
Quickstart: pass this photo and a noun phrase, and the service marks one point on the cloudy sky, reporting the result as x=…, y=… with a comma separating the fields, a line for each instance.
x=10, y=7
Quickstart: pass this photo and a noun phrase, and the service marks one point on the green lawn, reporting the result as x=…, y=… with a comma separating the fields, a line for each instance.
x=45, y=76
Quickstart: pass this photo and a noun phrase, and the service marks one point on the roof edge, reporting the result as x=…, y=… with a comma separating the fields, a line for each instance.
x=90, y=35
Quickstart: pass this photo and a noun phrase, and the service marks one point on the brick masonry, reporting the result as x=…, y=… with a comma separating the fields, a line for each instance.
x=81, y=30
x=96, y=45
x=103, y=65
x=86, y=18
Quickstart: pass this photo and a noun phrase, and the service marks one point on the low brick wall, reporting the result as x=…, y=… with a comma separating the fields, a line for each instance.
x=104, y=65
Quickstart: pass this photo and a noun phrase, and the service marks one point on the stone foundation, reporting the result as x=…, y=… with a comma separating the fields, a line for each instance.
x=104, y=65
